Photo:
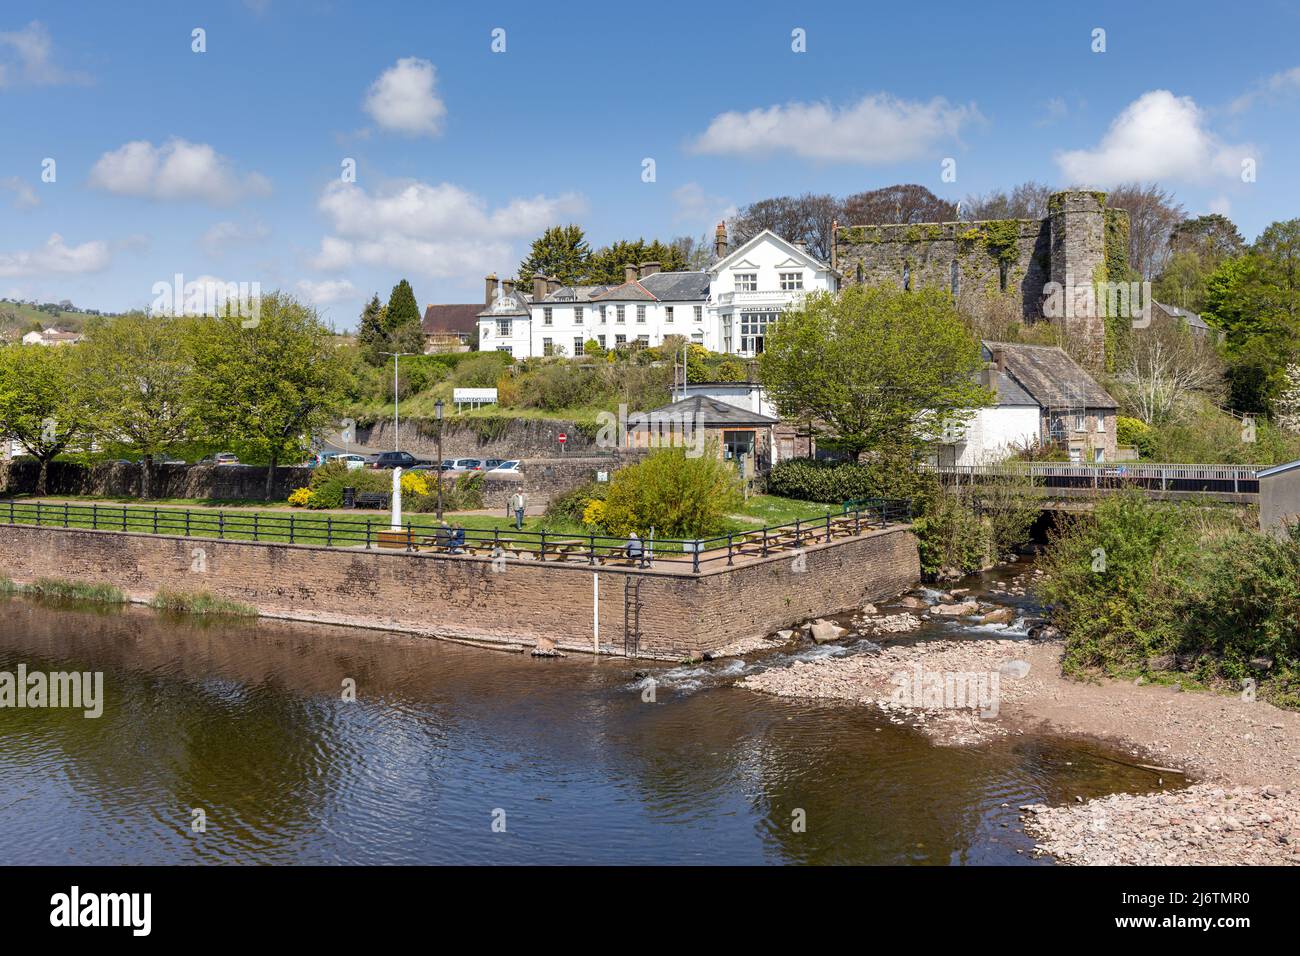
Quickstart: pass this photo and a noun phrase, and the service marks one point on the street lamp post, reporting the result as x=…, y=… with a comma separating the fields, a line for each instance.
x=396, y=356
x=437, y=414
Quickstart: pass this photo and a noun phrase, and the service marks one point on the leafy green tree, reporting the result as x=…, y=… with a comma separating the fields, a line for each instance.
x=607, y=263
x=561, y=251
x=135, y=372
x=402, y=321
x=264, y=390
x=41, y=406
x=372, y=333
x=677, y=495
x=875, y=368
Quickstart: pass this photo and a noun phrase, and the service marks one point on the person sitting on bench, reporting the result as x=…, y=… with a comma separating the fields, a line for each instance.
x=457, y=539
x=442, y=536
x=634, y=549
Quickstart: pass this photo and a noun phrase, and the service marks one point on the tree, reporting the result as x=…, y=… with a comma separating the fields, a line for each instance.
x=265, y=390
x=805, y=218
x=561, y=251
x=1026, y=201
x=135, y=370
x=877, y=368
x=372, y=336
x=1152, y=216
x=41, y=406
x=1164, y=363
x=1213, y=238
x=402, y=321
x=906, y=203
x=606, y=264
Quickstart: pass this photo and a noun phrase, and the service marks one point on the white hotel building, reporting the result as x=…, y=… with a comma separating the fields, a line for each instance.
x=725, y=309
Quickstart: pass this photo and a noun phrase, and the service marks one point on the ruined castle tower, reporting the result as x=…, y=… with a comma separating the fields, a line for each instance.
x=1048, y=267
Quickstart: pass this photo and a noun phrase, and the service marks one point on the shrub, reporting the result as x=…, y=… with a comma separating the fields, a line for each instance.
x=951, y=539
x=677, y=496
x=886, y=476
x=573, y=504
x=1129, y=431
x=328, y=481
x=300, y=497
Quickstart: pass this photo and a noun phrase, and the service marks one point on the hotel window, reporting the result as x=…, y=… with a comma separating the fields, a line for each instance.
x=620, y=341
x=699, y=313
x=604, y=313
x=640, y=314
x=601, y=340
x=577, y=315
x=504, y=348
x=503, y=326
x=578, y=348
x=620, y=313
x=668, y=313
x=547, y=347
x=753, y=328
x=746, y=281
x=791, y=281
x=643, y=341
x=546, y=315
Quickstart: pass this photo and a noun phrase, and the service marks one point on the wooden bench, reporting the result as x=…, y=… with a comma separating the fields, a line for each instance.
x=404, y=539
x=373, y=499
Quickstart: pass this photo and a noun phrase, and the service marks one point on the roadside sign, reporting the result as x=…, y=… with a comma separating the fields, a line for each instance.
x=563, y=438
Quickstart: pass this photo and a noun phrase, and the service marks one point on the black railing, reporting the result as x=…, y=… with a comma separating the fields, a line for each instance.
x=347, y=531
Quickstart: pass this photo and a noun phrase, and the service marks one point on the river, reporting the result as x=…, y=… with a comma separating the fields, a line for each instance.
x=454, y=754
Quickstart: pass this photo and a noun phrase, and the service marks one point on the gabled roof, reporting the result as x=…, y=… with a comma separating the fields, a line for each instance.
x=1049, y=376
x=461, y=317
x=1010, y=392
x=795, y=252
x=575, y=293
x=632, y=291
x=504, y=306
x=709, y=412
x=1191, y=318
x=678, y=286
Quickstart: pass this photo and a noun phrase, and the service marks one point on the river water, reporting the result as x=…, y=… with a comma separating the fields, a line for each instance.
x=455, y=754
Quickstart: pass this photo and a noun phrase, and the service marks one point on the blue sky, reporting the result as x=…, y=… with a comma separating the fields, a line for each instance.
x=227, y=163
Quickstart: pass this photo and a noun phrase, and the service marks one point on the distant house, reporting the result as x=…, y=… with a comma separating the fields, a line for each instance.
x=997, y=431
x=51, y=337
x=1195, y=324
x=449, y=328
x=789, y=439
x=698, y=420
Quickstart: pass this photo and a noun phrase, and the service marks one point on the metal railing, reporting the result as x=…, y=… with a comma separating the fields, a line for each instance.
x=1190, y=478
x=415, y=534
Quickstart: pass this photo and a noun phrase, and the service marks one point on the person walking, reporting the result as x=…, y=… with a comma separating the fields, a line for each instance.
x=518, y=502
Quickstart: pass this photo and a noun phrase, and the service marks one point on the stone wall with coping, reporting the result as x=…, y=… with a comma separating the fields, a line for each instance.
x=681, y=615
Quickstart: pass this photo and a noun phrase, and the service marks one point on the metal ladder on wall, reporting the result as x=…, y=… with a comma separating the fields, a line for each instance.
x=632, y=615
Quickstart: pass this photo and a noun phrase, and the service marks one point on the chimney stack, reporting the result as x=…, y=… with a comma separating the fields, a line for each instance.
x=629, y=272
x=649, y=269
x=539, y=288
x=552, y=284
x=507, y=287
x=989, y=379
x=490, y=288
x=801, y=245
x=720, y=241
x=999, y=359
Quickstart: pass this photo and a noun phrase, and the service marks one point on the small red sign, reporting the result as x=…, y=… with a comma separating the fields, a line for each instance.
x=563, y=438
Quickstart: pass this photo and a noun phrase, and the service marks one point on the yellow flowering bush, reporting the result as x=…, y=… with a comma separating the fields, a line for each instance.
x=415, y=483
x=593, y=516
x=300, y=497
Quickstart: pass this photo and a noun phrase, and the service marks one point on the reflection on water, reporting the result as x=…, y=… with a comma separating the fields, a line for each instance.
x=245, y=720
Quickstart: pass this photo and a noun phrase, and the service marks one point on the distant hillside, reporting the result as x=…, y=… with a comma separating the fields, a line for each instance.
x=17, y=318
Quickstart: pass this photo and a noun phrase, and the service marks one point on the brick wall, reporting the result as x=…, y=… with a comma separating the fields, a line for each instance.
x=462, y=597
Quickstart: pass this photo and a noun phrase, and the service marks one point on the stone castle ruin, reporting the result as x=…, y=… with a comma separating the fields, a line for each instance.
x=1070, y=268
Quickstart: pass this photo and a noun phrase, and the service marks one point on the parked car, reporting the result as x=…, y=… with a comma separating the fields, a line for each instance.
x=351, y=460
x=490, y=463
x=395, y=459
x=506, y=468
x=466, y=464
x=221, y=458
x=447, y=464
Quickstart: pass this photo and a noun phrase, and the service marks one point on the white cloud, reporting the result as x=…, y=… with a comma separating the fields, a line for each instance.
x=1222, y=205
x=327, y=291
x=1279, y=84
x=1157, y=136
x=433, y=230
x=55, y=256
x=223, y=235
x=177, y=170
x=403, y=99
x=877, y=129
x=694, y=205
x=26, y=58
x=24, y=195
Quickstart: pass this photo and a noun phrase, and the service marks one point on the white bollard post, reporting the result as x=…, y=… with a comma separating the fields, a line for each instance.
x=397, y=499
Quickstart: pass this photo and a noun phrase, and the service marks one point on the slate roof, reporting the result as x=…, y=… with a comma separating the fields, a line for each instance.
x=1010, y=392
x=576, y=293
x=661, y=287
x=710, y=412
x=1191, y=318
x=518, y=305
x=459, y=317
x=1049, y=376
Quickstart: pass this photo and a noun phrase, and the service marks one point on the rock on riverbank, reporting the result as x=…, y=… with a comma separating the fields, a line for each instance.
x=1201, y=825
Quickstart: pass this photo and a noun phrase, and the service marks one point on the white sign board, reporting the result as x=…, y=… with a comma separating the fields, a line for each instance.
x=473, y=396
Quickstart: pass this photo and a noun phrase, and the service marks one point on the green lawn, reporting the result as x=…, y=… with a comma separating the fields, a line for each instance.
x=280, y=523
